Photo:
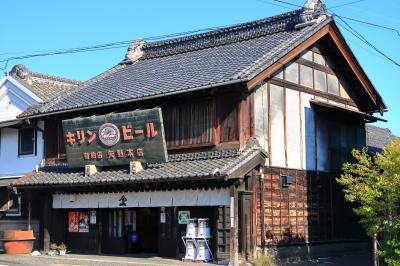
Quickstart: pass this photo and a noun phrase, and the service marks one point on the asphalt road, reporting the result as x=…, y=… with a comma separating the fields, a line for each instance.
x=88, y=260
x=356, y=260
x=95, y=260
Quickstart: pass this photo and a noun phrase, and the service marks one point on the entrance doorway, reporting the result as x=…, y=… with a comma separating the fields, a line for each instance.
x=147, y=230
x=113, y=233
x=120, y=224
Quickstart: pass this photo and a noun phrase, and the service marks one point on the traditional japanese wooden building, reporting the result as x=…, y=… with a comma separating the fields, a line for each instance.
x=258, y=118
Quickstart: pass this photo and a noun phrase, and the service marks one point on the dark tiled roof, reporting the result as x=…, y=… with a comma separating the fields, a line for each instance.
x=229, y=55
x=44, y=86
x=377, y=137
x=5, y=182
x=202, y=165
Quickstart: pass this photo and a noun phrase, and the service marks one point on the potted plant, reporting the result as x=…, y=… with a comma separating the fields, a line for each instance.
x=62, y=249
x=53, y=249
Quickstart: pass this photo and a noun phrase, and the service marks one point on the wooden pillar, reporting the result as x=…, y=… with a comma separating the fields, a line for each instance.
x=234, y=249
x=29, y=210
x=262, y=218
x=47, y=215
x=99, y=220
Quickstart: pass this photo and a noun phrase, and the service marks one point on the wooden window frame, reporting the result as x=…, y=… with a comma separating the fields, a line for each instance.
x=34, y=151
x=14, y=212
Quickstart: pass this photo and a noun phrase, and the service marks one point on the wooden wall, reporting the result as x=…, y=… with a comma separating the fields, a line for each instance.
x=312, y=209
x=202, y=121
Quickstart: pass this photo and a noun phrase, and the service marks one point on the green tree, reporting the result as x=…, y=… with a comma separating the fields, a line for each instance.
x=373, y=182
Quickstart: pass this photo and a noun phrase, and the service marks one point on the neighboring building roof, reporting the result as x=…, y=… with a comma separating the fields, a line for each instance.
x=44, y=86
x=377, y=138
x=6, y=182
x=189, y=166
x=228, y=55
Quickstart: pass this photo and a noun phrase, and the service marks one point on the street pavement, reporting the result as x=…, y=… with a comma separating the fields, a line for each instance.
x=88, y=260
x=149, y=260
x=351, y=260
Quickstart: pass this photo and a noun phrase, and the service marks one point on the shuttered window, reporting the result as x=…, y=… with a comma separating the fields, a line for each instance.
x=189, y=125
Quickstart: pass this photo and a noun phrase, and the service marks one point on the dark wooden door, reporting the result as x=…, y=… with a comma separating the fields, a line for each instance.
x=113, y=235
x=147, y=229
x=168, y=237
x=245, y=224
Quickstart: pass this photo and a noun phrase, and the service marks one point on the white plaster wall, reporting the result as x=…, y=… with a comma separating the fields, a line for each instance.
x=10, y=163
x=13, y=100
x=277, y=110
x=293, y=134
x=261, y=115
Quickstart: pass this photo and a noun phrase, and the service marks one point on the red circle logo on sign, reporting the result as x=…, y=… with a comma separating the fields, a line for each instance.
x=109, y=134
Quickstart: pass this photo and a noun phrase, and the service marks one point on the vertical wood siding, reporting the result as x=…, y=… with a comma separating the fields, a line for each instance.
x=189, y=124
x=311, y=209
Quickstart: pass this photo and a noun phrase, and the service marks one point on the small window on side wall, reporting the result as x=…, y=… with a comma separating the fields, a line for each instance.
x=27, y=141
x=14, y=204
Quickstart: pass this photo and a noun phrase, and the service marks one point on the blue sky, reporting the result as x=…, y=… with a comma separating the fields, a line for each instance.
x=45, y=25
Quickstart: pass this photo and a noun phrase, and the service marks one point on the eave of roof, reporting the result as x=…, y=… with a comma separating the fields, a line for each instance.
x=215, y=165
x=327, y=106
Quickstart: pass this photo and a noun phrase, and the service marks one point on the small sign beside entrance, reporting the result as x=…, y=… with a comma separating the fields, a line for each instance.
x=92, y=217
x=115, y=139
x=162, y=217
x=183, y=216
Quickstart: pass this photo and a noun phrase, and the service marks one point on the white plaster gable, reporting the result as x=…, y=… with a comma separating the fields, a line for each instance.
x=14, y=99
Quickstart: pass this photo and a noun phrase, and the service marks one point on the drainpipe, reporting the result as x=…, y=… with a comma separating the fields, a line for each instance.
x=262, y=208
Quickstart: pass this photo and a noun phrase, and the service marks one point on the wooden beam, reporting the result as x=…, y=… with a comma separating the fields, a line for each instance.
x=289, y=56
x=234, y=250
x=341, y=44
x=351, y=60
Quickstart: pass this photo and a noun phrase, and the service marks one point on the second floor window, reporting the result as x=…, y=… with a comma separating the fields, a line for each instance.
x=27, y=141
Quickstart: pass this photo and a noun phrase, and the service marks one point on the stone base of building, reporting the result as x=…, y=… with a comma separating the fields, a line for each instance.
x=301, y=252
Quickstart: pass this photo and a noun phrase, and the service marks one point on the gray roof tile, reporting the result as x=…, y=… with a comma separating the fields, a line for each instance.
x=44, y=86
x=229, y=55
x=378, y=138
x=201, y=165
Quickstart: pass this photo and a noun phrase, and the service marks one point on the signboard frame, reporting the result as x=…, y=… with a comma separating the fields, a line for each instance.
x=116, y=139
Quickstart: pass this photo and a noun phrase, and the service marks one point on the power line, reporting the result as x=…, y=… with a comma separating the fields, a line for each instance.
x=347, y=4
x=269, y=3
x=100, y=47
x=363, y=39
x=371, y=24
x=287, y=3
x=373, y=52
x=356, y=33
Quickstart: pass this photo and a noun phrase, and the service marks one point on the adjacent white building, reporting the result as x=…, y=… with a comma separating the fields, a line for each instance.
x=21, y=142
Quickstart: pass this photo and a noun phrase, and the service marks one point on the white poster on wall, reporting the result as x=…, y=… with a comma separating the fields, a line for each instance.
x=92, y=217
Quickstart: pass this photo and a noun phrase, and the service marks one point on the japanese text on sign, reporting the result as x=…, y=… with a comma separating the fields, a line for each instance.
x=115, y=139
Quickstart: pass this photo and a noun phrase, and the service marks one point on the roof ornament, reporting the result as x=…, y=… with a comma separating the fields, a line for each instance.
x=21, y=72
x=134, y=52
x=313, y=11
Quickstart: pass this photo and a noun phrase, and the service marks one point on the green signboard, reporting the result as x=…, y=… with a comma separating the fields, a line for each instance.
x=115, y=139
x=183, y=216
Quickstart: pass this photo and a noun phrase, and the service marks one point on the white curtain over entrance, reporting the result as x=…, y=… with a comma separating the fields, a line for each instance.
x=211, y=197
